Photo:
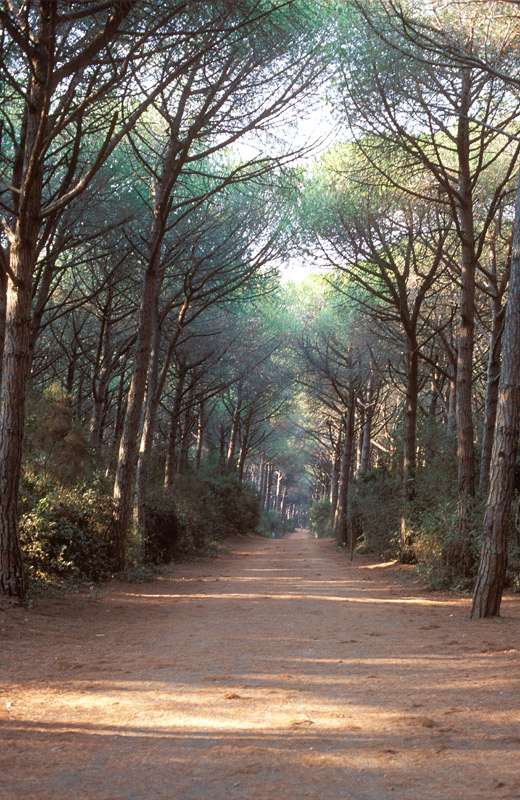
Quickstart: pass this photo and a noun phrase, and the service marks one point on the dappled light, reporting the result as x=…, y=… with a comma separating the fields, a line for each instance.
x=251, y=693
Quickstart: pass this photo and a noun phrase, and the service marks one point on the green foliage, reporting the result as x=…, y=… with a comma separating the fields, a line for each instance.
x=270, y=525
x=320, y=518
x=377, y=507
x=288, y=525
x=165, y=535
x=64, y=531
x=54, y=444
x=197, y=518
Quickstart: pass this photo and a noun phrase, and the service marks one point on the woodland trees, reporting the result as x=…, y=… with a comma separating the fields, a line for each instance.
x=427, y=98
x=82, y=86
x=153, y=182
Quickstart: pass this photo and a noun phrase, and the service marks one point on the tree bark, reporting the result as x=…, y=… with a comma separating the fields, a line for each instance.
x=187, y=429
x=244, y=448
x=364, y=462
x=234, y=435
x=127, y=445
x=22, y=239
x=493, y=559
x=334, y=478
x=171, y=454
x=410, y=422
x=465, y=444
x=340, y=519
x=493, y=374
x=201, y=427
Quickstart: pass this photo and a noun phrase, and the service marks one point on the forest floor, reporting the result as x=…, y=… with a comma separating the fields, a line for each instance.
x=279, y=671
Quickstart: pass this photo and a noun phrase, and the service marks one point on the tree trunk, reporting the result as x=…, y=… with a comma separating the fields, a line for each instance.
x=128, y=443
x=120, y=409
x=171, y=453
x=493, y=559
x=189, y=422
x=493, y=374
x=340, y=519
x=201, y=426
x=15, y=371
x=22, y=241
x=3, y=309
x=410, y=422
x=233, y=436
x=269, y=488
x=244, y=448
x=465, y=445
x=146, y=440
x=334, y=479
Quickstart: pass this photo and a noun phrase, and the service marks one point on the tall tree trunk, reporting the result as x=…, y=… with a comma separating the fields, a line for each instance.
x=366, y=442
x=101, y=378
x=410, y=421
x=234, y=435
x=3, y=310
x=170, y=468
x=201, y=426
x=145, y=444
x=409, y=456
x=269, y=488
x=335, y=477
x=465, y=445
x=120, y=408
x=187, y=430
x=244, y=448
x=451, y=420
x=128, y=442
x=22, y=240
x=340, y=520
x=409, y=450
x=15, y=372
x=283, y=502
x=493, y=373
x=279, y=477
x=493, y=560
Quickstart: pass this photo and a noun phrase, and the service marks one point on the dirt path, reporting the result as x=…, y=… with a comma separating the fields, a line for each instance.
x=277, y=672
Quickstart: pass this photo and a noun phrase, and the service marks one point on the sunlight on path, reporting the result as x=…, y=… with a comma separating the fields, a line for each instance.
x=298, y=534
x=278, y=672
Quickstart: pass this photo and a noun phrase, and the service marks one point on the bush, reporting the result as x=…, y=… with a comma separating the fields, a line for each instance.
x=64, y=531
x=270, y=525
x=164, y=530
x=289, y=525
x=56, y=446
x=376, y=506
x=196, y=518
x=320, y=518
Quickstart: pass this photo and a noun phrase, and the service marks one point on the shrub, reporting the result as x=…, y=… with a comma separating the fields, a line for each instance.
x=164, y=530
x=376, y=506
x=64, y=531
x=270, y=525
x=55, y=445
x=320, y=518
x=196, y=518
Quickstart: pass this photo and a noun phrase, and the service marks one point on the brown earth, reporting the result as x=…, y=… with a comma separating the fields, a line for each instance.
x=277, y=672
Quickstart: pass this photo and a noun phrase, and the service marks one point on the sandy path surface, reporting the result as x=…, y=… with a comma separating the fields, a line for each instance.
x=277, y=672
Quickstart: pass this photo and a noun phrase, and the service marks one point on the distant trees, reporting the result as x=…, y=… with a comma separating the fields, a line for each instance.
x=434, y=117
x=107, y=124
